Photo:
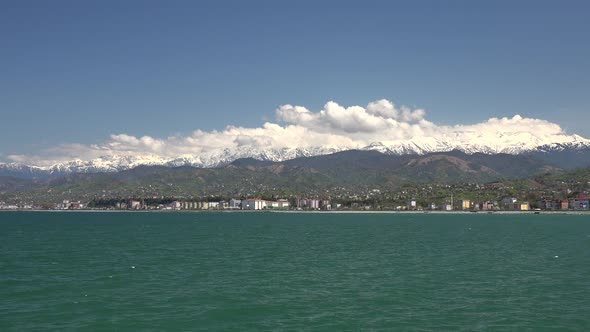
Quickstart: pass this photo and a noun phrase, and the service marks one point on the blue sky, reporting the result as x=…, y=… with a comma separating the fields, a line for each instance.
x=79, y=71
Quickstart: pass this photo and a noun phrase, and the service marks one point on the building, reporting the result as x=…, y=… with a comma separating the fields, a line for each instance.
x=508, y=203
x=563, y=205
x=283, y=203
x=214, y=205
x=63, y=205
x=235, y=203
x=412, y=204
x=303, y=203
x=314, y=204
x=484, y=206
x=278, y=204
x=464, y=204
x=189, y=205
x=579, y=204
x=67, y=205
x=553, y=204
x=76, y=205
x=253, y=204
x=522, y=206
x=309, y=203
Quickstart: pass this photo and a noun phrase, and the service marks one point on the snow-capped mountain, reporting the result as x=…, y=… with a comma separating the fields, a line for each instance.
x=469, y=143
x=108, y=164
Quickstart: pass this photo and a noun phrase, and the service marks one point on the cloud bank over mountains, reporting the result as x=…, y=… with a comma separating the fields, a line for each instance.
x=380, y=125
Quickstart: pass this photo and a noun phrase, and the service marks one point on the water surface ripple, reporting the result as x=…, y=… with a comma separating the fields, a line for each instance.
x=278, y=271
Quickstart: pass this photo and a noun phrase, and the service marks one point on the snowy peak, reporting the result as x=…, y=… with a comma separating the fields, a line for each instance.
x=470, y=143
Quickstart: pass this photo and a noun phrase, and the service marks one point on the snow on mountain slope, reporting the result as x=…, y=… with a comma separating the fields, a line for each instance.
x=470, y=143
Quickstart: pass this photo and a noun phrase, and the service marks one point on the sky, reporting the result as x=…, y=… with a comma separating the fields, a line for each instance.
x=75, y=75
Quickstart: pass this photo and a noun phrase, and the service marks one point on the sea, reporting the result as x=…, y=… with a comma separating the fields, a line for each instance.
x=86, y=271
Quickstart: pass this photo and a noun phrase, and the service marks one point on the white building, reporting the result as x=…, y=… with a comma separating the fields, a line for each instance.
x=283, y=203
x=63, y=205
x=253, y=204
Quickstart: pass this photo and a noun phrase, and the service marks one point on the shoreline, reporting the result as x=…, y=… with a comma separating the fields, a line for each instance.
x=309, y=212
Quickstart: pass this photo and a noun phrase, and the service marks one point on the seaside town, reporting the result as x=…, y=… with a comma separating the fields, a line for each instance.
x=562, y=193
x=579, y=203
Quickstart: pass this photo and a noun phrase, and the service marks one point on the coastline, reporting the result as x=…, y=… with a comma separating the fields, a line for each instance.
x=311, y=212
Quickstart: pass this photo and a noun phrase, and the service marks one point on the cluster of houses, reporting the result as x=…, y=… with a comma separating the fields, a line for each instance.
x=69, y=205
x=260, y=204
x=507, y=204
x=232, y=204
x=4, y=206
x=313, y=204
x=582, y=203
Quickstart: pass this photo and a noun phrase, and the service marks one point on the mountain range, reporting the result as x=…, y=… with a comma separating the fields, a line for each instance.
x=572, y=153
x=347, y=172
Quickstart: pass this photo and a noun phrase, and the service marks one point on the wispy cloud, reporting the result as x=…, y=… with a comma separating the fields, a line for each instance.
x=334, y=126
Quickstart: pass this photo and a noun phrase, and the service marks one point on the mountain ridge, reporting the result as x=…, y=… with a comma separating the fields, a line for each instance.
x=572, y=154
x=344, y=172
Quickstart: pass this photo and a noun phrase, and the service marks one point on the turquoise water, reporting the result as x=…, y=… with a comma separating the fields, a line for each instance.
x=274, y=271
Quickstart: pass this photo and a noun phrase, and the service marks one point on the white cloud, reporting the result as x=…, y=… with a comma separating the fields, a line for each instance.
x=334, y=126
x=378, y=116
